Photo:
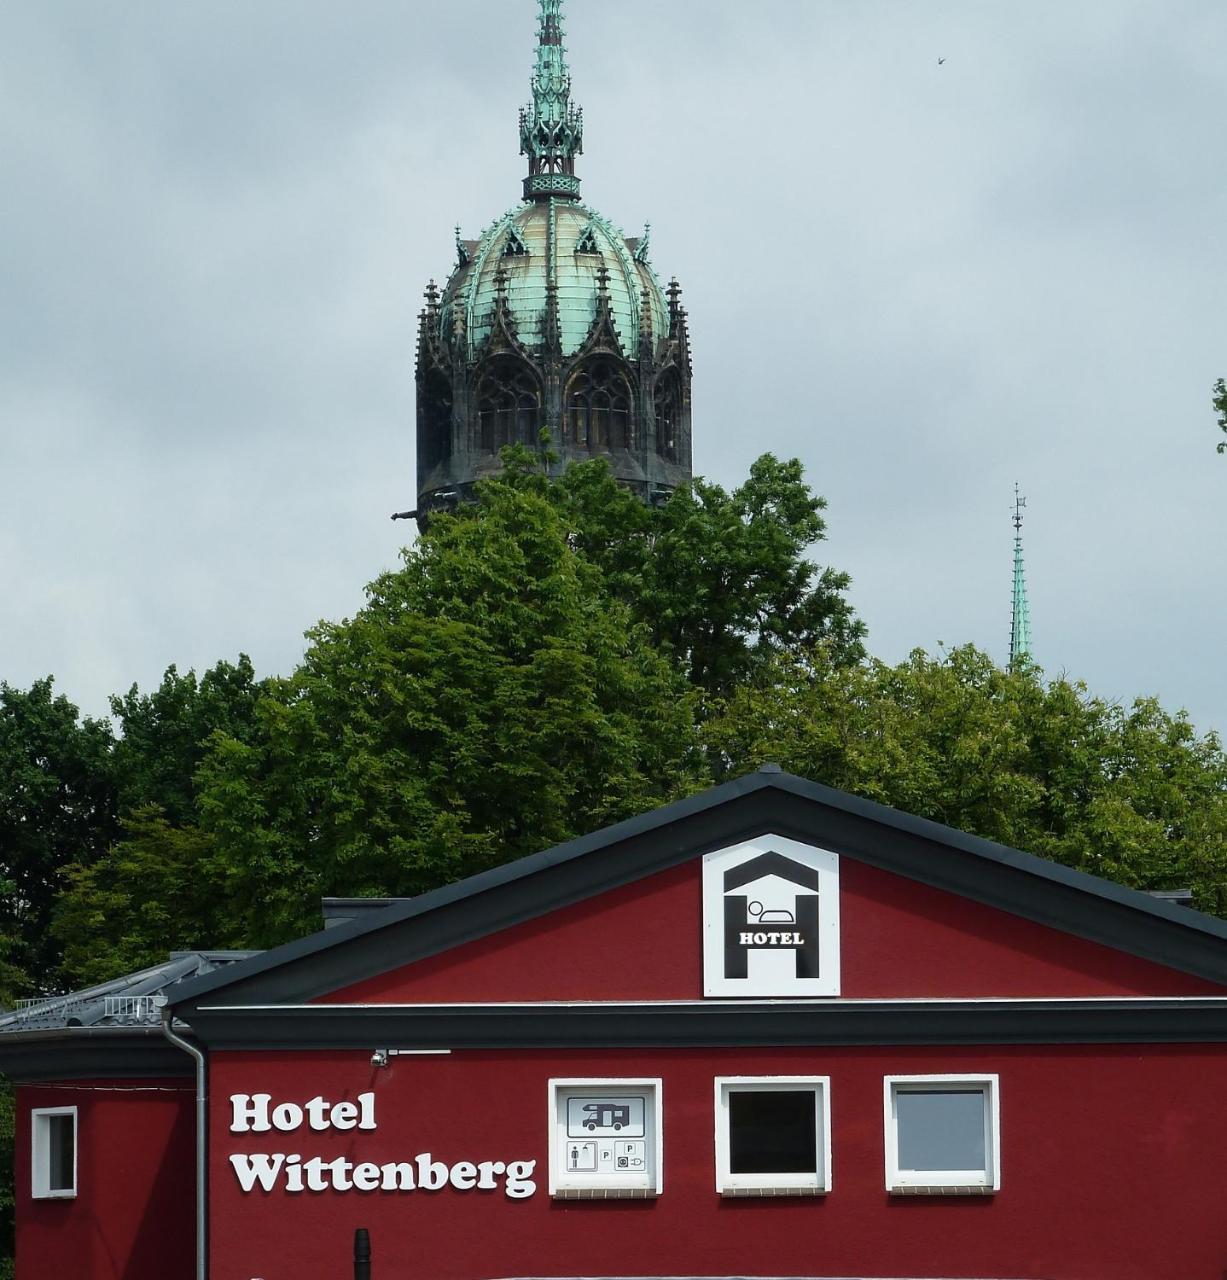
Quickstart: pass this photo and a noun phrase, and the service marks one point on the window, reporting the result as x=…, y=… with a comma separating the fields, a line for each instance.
x=773, y=1135
x=598, y=408
x=942, y=1134
x=667, y=401
x=54, y=1164
x=434, y=420
x=605, y=1139
x=508, y=406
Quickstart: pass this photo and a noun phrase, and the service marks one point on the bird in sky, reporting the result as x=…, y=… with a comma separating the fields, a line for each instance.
x=940, y=61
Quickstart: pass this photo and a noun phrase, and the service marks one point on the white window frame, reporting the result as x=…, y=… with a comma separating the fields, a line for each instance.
x=650, y=1182
x=944, y=1181
x=817, y=1183
x=40, y=1154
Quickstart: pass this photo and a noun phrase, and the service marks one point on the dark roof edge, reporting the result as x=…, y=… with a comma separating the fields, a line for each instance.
x=92, y=1053
x=713, y=1025
x=1188, y=921
x=483, y=882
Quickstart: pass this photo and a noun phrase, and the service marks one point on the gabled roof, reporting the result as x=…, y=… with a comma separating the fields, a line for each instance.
x=766, y=801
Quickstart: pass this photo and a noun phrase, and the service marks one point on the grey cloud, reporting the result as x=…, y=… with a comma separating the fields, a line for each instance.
x=926, y=282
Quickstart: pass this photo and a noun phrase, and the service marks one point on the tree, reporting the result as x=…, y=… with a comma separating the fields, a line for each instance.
x=153, y=889
x=152, y=892
x=722, y=580
x=1132, y=794
x=489, y=700
x=164, y=734
x=1220, y=404
x=57, y=806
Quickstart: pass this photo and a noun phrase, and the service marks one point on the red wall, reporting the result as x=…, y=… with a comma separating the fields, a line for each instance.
x=133, y=1217
x=899, y=939
x=1112, y=1166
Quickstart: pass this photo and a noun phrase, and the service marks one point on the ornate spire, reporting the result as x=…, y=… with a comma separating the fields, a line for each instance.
x=551, y=129
x=1020, y=625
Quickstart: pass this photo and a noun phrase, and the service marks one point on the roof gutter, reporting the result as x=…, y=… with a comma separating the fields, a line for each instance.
x=202, y=1201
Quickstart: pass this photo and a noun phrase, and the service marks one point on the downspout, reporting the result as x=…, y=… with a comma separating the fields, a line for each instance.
x=202, y=1200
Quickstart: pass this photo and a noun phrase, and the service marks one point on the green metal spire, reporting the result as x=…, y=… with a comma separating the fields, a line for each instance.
x=1020, y=625
x=551, y=129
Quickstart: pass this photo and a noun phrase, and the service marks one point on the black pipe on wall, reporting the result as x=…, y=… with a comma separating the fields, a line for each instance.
x=362, y=1254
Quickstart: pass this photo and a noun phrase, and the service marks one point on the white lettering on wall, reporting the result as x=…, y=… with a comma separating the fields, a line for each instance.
x=252, y=1113
x=252, y=1169
x=272, y=1171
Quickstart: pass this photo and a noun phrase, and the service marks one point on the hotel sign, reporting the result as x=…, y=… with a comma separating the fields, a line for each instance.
x=771, y=920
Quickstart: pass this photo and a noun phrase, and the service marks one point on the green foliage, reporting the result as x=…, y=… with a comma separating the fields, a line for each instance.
x=57, y=806
x=489, y=700
x=556, y=656
x=152, y=889
x=1132, y=794
x=722, y=580
x=164, y=734
x=1220, y=405
x=149, y=894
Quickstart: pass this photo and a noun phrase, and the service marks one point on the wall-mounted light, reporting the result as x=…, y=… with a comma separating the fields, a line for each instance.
x=381, y=1057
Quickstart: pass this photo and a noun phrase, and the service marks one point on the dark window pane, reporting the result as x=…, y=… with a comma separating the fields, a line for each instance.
x=61, y=1138
x=507, y=399
x=772, y=1131
x=940, y=1130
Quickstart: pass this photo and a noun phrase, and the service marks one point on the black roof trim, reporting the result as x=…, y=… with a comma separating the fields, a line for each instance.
x=753, y=805
x=713, y=1024
x=92, y=1053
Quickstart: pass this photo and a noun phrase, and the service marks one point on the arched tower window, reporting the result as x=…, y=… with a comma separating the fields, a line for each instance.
x=434, y=420
x=598, y=407
x=667, y=401
x=508, y=406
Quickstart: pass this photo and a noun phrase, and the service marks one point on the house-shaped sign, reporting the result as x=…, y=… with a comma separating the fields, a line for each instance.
x=771, y=920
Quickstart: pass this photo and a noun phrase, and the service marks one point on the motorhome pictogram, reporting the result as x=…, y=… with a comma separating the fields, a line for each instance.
x=606, y=1115
x=778, y=912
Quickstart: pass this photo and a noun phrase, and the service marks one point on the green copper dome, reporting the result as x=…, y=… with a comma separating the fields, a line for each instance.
x=560, y=248
x=552, y=325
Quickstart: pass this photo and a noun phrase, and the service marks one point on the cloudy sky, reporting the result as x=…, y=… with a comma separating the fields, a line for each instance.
x=925, y=281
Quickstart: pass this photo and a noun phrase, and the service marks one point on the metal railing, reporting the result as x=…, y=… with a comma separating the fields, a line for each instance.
x=138, y=1008
x=51, y=1007
x=128, y=1008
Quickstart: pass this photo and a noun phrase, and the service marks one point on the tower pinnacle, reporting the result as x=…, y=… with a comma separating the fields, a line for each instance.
x=551, y=129
x=1020, y=624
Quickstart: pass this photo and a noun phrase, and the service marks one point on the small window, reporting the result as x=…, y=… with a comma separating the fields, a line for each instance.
x=54, y=1164
x=942, y=1134
x=773, y=1135
x=605, y=1139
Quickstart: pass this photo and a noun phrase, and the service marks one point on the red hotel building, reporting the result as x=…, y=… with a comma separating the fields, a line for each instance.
x=773, y=1030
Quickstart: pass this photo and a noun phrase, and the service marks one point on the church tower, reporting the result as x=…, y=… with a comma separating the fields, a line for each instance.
x=552, y=319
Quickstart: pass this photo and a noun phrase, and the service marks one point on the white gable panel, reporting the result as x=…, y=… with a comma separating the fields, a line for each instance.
x=771, y=920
